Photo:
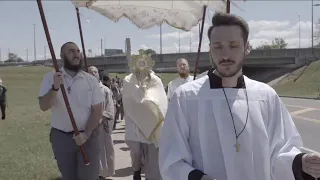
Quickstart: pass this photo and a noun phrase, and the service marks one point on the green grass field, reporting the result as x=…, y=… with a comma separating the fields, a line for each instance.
x=307, y=85
x=25, y=151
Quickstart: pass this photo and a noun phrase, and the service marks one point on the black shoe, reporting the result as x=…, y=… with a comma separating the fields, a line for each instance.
x=3, y=118
x=137, y=175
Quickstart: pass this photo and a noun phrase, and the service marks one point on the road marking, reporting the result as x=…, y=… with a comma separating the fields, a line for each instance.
x=301, y=111
x=301, y=106
x=307, y=119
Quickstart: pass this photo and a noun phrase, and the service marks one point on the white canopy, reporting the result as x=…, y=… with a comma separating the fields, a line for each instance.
x=145, y=14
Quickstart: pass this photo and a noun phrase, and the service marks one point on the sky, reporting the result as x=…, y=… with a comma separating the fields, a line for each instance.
x=266, y=19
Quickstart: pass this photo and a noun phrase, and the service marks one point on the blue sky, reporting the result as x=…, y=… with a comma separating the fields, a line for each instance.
x=267, y=20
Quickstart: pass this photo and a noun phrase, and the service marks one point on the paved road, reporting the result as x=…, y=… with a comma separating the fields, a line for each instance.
x=306, y=115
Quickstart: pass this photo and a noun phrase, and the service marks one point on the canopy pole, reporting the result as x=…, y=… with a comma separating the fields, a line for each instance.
x=200, y=41
x=55, y=63
x=82, y=42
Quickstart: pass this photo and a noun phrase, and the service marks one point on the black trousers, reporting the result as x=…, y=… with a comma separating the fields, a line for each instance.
x=3, y=109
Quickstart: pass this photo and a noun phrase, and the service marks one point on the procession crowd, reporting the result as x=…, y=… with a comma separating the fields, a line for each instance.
x=191, y=132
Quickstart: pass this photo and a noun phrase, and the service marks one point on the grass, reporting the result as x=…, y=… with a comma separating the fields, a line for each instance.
x=304, y=82
x=25, y=151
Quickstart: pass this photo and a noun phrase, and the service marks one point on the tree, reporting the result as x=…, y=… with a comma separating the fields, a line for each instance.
x=277, y=43
x=147, y=51
x=264, y=46
x=14, y=58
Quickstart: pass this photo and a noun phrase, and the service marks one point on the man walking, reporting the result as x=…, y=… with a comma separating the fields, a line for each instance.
x=85, y=98
x=107, y=162
x=184, y=76
x=3, y=100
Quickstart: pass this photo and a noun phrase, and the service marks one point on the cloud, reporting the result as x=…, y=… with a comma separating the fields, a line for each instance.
x=261, y=32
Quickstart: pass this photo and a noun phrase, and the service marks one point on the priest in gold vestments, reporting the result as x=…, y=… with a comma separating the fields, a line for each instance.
x=145, y=105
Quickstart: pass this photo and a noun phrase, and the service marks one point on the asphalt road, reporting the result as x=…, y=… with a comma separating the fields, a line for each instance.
x=306, y=115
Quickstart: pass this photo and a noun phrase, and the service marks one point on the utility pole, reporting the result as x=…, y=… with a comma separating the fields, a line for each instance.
x=160, y=38
x=312, y=28
x=0, y=55
x=299, y=33
x=228, y=6
x=101, y=47
x=45, y=52
x=27, y=52
x=34, y=42
x=190, y=40
x=179, y=40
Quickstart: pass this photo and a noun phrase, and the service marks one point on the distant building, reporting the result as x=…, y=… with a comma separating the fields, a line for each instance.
x=112, y=52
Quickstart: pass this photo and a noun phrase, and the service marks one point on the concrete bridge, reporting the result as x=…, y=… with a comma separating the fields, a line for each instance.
x=274, y=58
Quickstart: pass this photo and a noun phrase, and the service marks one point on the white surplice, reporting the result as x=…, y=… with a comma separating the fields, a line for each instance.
x=198, y=133
x=174, y=84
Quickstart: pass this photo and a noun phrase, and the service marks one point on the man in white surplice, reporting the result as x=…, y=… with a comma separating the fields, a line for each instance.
x=184, y=73
x=225, y=126
x=145, y=105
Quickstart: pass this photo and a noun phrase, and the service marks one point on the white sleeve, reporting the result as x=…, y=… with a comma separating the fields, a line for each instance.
x=175, y=156
x=285, y=141
x=97, y=95
x=169, y=93
x=46, y=84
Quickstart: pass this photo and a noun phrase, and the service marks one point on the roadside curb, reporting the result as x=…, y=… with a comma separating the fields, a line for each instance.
x=300, y=97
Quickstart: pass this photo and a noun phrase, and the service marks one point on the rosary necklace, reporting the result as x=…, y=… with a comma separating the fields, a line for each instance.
x=237, y=145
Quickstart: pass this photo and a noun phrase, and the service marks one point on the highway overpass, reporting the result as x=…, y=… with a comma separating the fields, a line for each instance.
x=276, y=58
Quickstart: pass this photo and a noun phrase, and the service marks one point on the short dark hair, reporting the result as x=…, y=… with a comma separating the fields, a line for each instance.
x=64, y=45
x=224, y=19
x=106, y=78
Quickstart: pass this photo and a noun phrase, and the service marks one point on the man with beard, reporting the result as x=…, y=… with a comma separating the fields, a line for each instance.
x=107, y=162
x=227, y=126
x=183, y=70
x=85, y=98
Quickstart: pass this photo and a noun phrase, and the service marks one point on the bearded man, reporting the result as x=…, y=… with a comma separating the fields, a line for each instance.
x=145, y=105
x=85, y=98
x=184, y=76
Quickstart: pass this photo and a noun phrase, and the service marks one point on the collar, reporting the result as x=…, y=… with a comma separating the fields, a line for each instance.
x=216, y=81
x=79, y=74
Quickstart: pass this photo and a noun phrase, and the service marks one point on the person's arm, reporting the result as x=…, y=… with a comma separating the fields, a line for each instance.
x=175, y=158
x=96, y=108
x=46, y=94
x=169, y=91
x=285, y=143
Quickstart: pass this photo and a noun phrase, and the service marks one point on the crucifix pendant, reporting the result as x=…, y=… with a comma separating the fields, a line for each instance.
x=69, y=89
x=237, y=146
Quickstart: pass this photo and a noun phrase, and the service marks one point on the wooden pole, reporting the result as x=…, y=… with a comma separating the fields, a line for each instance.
x=82, y=41
x=200, y=41
x=63, y=90
x=228, y=6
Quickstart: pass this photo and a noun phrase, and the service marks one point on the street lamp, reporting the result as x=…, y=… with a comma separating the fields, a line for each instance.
x=34, y=42
x=312, y=35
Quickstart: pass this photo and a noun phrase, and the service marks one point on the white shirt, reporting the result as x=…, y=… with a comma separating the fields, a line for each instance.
x=174, y=84
x=108, y=105
x=198, y=133
x=85, y=92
